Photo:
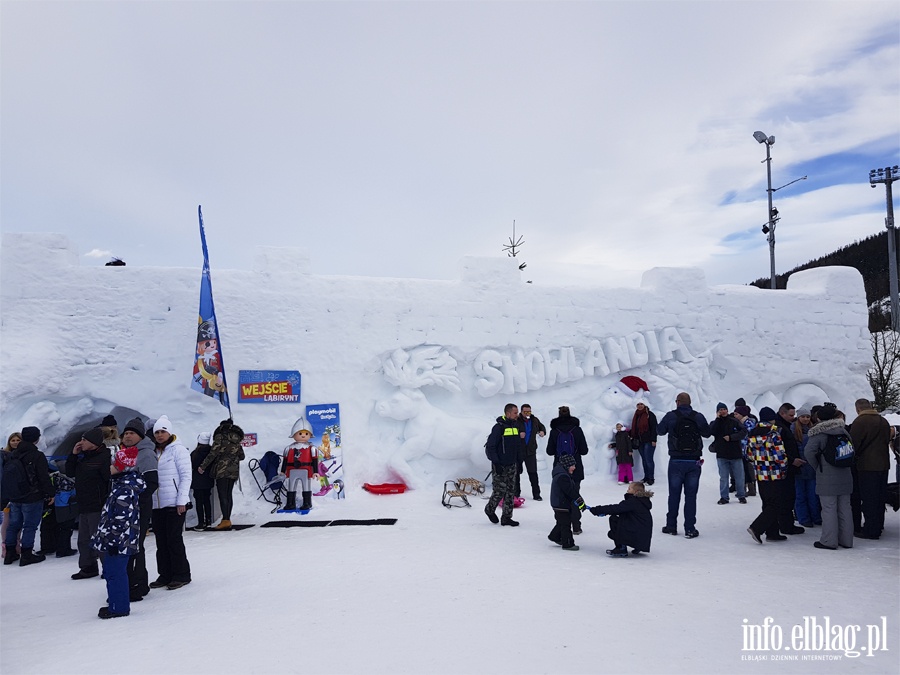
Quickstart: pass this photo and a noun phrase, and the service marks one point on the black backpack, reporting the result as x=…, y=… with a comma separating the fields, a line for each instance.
x=565, y=443
x=18, y=482
x=687, y=433
x=838, y=451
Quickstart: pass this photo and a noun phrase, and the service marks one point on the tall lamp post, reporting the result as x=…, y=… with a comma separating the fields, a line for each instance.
x=887, y=176
x=769, y=228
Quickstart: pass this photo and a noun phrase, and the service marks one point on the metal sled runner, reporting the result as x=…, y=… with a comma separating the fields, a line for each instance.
x=461, y=489
x=272, y=487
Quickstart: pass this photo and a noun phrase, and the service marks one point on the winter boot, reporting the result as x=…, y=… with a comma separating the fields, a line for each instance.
x=11, y=555
x=29, y=557
x=617, y=552
x=224, y=525
x=291, y=502
x=307, y=501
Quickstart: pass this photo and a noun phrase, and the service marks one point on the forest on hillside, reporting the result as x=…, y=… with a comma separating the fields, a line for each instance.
x=870, y=257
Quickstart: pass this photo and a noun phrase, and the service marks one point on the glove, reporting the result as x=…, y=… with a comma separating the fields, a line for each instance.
x=597, y=511
x=580, y=504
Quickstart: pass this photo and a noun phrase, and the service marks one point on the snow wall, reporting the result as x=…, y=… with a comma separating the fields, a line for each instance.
x=419, y=368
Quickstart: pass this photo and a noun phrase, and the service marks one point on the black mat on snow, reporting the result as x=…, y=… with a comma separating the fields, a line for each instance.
x=233, y=527
x=327, y=523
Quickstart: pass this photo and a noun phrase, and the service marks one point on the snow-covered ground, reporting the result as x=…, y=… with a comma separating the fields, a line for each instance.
x=446, y=592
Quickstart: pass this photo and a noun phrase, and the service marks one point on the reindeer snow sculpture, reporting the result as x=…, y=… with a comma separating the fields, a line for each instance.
x=428, y=430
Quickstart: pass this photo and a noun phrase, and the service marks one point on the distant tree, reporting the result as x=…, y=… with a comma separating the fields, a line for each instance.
x=884, y=375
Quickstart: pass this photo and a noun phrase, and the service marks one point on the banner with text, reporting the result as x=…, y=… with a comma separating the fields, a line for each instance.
x=268, y=386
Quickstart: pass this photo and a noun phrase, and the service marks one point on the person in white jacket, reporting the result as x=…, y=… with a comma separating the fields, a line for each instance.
x=169, y=506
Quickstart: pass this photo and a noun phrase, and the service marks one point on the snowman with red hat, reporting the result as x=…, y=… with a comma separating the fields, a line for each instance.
x=617, y=404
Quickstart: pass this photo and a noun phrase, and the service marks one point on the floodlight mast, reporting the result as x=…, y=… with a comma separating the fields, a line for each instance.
x=769, y=141
x=887, y=176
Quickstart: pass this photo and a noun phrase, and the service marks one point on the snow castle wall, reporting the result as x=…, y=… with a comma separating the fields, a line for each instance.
x=420, y=368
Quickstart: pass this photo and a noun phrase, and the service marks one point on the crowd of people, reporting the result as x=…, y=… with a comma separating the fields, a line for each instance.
x=121, y=487
x=809, y=467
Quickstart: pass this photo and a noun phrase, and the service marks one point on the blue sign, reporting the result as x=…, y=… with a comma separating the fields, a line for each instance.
x=268, y=386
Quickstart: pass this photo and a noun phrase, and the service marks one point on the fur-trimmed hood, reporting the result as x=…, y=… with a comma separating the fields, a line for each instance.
x=835, y=426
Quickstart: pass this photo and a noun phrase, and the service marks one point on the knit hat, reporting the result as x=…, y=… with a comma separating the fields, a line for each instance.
x=803, y=411
x=109, y=421
x=126, y=459
x=827, y=412
x=564, y=411
x=721, y=406
x=137, y=426
x=204, y=437
x=162, y=424
x=740, y=401
x=567, y=460
x=31, y=434
x=767, y=415
x=94, y=436
x=742, y=410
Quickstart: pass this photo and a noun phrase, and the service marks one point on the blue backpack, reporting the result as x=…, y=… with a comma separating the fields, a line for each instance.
x=565, y=443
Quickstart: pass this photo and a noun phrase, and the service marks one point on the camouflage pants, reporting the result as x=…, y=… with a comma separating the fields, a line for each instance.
x=504, y=488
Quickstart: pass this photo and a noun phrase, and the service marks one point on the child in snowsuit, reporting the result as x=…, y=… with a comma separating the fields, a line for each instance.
x=118, y=533
x=630, y=522
x=624, y=453
x=564, y=498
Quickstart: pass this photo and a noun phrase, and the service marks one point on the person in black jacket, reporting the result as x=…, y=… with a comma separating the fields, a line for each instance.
x=630, y=521
x=505, y=448
x=25, y=509
x=560, y=428
x=202, y=483
x=727, y=433
x=563, y=497
x=89, y=465
x=530, y=427
x=686, y=429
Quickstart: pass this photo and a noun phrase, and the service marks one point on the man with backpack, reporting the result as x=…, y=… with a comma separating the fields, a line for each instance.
x=26, y=486
x=686, y=429
x=567, y=438
x=505, y=448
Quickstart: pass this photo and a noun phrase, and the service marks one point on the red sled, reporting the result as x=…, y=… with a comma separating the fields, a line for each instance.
x=385, y=488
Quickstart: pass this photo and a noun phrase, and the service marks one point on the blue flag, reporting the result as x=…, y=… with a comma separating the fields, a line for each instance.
x=209, y=368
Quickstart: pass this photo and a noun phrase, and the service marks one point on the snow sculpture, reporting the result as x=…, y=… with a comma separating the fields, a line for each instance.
x=428, y=430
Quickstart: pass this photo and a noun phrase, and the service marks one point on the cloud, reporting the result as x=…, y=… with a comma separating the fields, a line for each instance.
x=97, y=253
x=391, y=139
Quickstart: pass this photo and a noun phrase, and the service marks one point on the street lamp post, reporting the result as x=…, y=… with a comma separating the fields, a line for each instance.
x=887, y=176
x=769, y=229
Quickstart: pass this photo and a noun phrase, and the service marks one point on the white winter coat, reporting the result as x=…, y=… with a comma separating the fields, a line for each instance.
x=174, y=471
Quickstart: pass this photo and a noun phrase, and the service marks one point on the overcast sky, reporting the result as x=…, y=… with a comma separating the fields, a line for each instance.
x=393, y=138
